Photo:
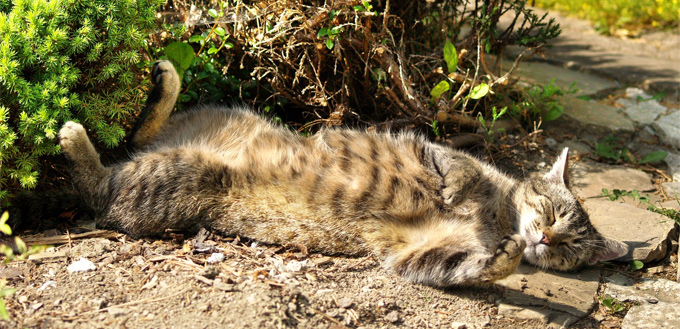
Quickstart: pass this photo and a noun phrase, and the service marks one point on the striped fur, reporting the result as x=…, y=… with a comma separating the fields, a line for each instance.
x=432, y=214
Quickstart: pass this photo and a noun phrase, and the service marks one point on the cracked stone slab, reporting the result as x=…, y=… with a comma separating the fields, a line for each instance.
x=660, y=315
x=649, y=291
x=600, y=116
x=562, y=298
x=646, y=233
x=673, y=162
x=645, y=112
x=668, y=130
x=588, y=179
x=543, y=73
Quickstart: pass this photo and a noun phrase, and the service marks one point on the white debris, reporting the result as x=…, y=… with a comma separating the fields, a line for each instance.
x=81, y=265
x=47, y=284
x=215, y=257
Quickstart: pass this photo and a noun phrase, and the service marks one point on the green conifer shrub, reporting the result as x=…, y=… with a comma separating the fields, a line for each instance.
x=66, y=60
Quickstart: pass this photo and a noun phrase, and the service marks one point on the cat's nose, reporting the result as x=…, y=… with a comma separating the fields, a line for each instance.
x=545, y=240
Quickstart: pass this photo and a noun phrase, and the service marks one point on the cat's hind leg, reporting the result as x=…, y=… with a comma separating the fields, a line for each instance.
x=440, y=254
x=159, y=104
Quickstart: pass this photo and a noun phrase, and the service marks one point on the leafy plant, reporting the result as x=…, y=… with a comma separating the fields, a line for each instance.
x=612, y=304
x=331, y=32
x=617, y=194
x=621, y=16
x=540, y=103
x=65, y=60
x=608, y=148
x=495, y=115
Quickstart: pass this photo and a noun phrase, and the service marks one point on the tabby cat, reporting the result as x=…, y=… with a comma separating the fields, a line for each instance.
x=432, y=214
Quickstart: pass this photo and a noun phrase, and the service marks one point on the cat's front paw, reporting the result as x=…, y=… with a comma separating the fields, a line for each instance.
x=71, y=137
x=512, y=247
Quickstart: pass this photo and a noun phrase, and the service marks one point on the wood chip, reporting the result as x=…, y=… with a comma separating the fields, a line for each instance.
x=48, y=257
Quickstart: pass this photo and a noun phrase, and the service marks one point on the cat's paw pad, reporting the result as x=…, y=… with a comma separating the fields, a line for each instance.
x=70, y=135
x=163, y=72
x=512, y=245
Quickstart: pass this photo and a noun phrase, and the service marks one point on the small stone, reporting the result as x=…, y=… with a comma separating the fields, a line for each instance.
x=81, y=265
x=216, y=257
x=118, y=311
x=322, y=260
x=551, y=143
x=36, y=306
x=345, y=302
x=392, y=317
x=458, y=325
x=97, y=303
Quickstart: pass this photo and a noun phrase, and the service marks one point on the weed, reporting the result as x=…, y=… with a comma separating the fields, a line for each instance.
x=540, y=103
x=495, y=115
x=612, y=304
x=609, y=148
x=617, y=194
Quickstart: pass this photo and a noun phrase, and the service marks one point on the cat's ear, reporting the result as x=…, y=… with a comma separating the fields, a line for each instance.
x=559, y=173
x=608, y=249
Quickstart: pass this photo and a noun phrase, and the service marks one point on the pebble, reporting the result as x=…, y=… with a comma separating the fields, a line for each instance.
x=81, y=265
x=550, y=142
x=345, y=302
x=392, y=317
x=118, y=311
x=458, y=325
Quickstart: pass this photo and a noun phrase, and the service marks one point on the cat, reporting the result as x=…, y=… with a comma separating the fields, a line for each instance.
x=434, y=215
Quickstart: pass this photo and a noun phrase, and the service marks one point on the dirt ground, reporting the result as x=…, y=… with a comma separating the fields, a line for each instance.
x=170, y=284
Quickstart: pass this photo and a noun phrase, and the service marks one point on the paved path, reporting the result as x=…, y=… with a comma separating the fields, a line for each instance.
x=651, y=61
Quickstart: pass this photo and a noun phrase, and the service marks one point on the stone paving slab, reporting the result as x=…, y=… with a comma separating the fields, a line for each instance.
x=544, y=73
x=668, y=129
x=560, y=298
x=645, y=62
x=653, y=316
x=603, y=117
x=589, y=178
x=658, y=302
x=647, y=233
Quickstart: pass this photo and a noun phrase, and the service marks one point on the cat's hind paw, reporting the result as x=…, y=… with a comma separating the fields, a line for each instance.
x=163, y=73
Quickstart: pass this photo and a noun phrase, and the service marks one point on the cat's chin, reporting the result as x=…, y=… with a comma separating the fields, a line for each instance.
x=536, y=254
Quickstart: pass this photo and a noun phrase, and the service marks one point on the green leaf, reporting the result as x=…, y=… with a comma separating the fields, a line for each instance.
x=451, y=57
x=3, y=311
x=655, y=156
x=195, y=38
x=212, y=50
x=322, y=32
x=553, y=113
x=442, y=87
x=21, y=245
x=213, y=13
x=181, y=53
x=220, y=31
x=479, y=91
x=636, y=265
x=330, y=44
x=4, y=228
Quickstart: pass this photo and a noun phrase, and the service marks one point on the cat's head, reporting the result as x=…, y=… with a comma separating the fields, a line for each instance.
x=557, y=230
